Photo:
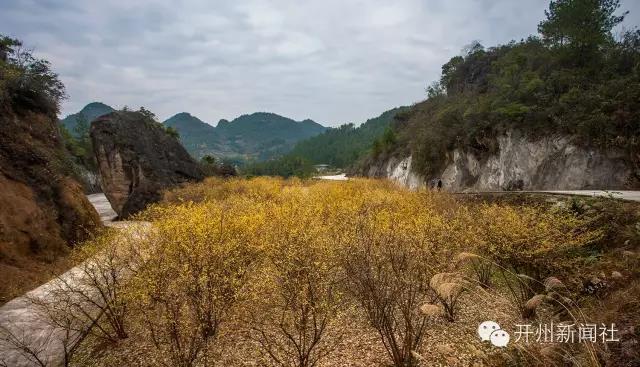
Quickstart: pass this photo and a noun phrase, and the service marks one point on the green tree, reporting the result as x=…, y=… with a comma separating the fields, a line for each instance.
x=582, y=25
x=27, y=82
x=82, y=127
x=171, y=131
x=148, y=114
x=208, y=159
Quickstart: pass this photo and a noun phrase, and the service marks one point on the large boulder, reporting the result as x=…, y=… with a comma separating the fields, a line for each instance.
x=137, y=160
x=43, y=210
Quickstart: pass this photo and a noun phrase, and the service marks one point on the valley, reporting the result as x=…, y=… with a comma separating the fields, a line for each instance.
x=490, y=219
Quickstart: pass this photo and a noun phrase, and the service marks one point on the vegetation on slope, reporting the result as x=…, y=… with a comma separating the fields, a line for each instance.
x=339, y=148
x=42, y=208
x=574, y=78
x=274, y=272
x=257, y=136
x=343, y=146
x=84, y=117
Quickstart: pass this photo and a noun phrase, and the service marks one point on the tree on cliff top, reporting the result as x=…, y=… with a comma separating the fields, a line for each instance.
x=27, y=82
x=574, y=79
x=583, y=26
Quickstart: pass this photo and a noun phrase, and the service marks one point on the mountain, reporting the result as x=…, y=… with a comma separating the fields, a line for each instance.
x=343, y=146
x=256, y=136
x=259, y=135
x=90, y=112
x=198, y=137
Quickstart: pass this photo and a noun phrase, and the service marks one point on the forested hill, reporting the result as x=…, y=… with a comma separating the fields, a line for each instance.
x=259, y=135
x=342, y=146
x=198, y=137
x=85, y=116
x=575, y=79
x=256, y=136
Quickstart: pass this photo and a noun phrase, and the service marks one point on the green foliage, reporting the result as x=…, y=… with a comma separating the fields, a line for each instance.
x=286, y=166
x=343, y=146
x=89, y=112
x=258, y=136
x=150, y=117
x=208, y=159
x=581, y=25
x=385, y=143
x=215, y=167
x=78, y=143
x=171, y=131
x=535, y=87
x=27, y=82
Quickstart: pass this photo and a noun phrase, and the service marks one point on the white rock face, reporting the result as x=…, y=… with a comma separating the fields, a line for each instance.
x=550, y=163
x=399, y=171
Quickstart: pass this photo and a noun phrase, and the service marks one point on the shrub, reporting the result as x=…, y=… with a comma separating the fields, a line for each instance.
x=26, y=82
x=199, y=258
x=298, y=293
x=283, y=263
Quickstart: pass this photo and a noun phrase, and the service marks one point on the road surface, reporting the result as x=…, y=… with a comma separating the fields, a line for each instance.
x=616, y=194
x=340, y=177
x=23, y=327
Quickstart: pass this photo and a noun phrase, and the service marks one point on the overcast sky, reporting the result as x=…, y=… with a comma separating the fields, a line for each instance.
x=333, y=61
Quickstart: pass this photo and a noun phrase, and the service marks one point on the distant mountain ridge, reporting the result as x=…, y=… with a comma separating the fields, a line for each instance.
x=90, y=112
x=255, y=136
x=343, y=146
x=260, y=135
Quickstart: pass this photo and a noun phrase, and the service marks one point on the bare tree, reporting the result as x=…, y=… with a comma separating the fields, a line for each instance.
x=14, y=340
x=389, y=276
x=92, y=294
x=299, y=303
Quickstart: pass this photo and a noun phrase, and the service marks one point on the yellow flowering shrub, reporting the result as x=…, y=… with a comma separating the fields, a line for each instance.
x=286, y=257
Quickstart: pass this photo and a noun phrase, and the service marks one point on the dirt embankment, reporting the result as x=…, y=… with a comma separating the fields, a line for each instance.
x=43, y=210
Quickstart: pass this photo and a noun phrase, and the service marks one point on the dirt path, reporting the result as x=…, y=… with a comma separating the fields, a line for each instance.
x=27, y=338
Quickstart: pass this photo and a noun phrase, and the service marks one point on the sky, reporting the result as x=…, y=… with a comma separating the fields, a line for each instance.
x=333, y=61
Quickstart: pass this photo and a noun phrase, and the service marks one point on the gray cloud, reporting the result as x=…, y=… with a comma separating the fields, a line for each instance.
x=334, y=61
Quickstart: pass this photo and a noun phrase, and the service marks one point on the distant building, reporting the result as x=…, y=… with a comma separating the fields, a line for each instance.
x=320, y=168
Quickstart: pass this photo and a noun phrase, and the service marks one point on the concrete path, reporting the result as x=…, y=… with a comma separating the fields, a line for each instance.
x=27, y=337
x=103, y=207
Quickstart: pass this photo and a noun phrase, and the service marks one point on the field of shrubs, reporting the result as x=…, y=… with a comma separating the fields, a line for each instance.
x=359, y=273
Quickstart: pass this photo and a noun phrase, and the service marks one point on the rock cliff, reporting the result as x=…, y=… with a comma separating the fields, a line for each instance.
x=553, y=162
x=137, y=159
x=42, y=209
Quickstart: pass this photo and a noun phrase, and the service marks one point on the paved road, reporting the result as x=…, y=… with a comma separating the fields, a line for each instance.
x=617, y=194
x=103, y=207
x=22, y=323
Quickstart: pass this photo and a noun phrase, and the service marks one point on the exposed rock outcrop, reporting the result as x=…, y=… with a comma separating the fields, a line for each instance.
x=42, y=208
x=553, y=162
x=137, y=159
x=398, y=170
